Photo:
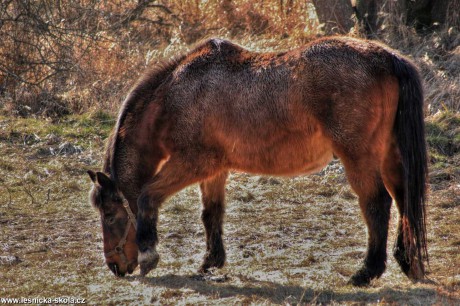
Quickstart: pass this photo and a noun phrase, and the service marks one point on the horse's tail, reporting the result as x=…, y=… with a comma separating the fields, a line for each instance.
x=410, y=134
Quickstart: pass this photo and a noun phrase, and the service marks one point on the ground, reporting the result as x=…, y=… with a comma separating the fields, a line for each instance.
x=288, y=240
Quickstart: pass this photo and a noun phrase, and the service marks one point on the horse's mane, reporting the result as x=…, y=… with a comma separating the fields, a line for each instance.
x=141, y=94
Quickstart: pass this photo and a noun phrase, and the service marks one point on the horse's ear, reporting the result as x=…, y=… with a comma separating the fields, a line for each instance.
x=92, y=175
x=104, y=180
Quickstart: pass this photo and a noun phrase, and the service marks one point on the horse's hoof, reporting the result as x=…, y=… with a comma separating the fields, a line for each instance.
x=360, y=279
x=358, y=282
x=148, y=261
x=211, y=261
x=203, y=270
x=206, y=269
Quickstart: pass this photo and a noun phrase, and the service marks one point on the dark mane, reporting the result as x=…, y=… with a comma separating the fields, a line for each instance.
x=141, y=94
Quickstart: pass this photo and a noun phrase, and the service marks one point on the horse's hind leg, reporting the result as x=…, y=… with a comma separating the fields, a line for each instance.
x=375, y=202
x=213, y=197
x=392, y=172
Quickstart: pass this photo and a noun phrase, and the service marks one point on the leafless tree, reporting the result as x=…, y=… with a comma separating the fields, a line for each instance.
x=44, y=42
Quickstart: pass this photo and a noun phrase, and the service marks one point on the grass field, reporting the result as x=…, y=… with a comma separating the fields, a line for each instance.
x=288, y=240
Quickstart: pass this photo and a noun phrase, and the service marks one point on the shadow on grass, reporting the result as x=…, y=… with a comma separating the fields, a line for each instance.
x=277, y=293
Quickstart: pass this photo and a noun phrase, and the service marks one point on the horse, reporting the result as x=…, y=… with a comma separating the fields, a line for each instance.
x=221, y=108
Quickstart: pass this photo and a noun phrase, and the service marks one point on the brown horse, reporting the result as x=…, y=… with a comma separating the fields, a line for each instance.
x=221, y=107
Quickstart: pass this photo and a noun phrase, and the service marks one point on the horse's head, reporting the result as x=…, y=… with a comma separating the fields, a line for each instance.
x=118, y=224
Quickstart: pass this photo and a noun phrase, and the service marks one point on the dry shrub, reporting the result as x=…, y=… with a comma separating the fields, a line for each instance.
x=92, y=52
x=75, y=56
x=95, y=50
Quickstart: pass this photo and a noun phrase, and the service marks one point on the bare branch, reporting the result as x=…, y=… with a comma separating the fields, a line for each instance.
x=29, y=193
x=136, y=14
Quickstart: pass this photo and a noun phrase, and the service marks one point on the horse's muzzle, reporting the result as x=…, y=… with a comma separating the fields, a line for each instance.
x=115, y=269
x=118, y=272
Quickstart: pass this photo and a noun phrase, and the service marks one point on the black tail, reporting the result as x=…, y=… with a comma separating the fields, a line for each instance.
x=410, y=133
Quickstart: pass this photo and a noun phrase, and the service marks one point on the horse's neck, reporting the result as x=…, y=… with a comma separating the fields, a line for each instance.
x=121, y=168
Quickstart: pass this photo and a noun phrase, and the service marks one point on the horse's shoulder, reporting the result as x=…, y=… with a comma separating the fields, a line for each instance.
x=213, y=49
x=222, y=46
x=209, y=52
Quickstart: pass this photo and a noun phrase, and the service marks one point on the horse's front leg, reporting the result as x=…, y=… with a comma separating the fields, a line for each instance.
x=146, y=236
x=175, y=175
x=213, y=197
x=168, y=181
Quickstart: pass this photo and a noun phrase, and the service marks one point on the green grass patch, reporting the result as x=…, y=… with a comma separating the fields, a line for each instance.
x=443, y=133
x=84, y=126
x=78, y=129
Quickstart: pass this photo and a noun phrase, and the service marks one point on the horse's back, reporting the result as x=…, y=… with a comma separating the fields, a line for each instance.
x=277, y=113
x=245, y=107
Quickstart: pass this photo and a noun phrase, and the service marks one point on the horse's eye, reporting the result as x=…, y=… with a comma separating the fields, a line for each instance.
x=109, y=219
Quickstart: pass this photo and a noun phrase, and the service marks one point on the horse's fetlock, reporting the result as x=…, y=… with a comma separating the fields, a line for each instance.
x=213, y=259
x=376, y=269
x=146, y=237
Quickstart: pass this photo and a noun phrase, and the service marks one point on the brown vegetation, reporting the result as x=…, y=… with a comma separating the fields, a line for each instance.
x=73, y=56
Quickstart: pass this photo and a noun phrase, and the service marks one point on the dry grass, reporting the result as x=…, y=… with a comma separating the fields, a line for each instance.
x=288, y=240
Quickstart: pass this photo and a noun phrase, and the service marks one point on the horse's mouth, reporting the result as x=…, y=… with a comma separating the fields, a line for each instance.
x=116, y=270
x=130, y=270
x=132, y=266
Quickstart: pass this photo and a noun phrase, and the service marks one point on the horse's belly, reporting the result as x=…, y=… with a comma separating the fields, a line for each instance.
x=290, y=155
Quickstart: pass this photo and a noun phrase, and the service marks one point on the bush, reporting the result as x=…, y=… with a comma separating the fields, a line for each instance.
x=61, y=57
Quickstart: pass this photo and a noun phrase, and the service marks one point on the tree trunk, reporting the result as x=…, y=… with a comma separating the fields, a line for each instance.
x=424, y=15
x=336, y=15
x=367, y=15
